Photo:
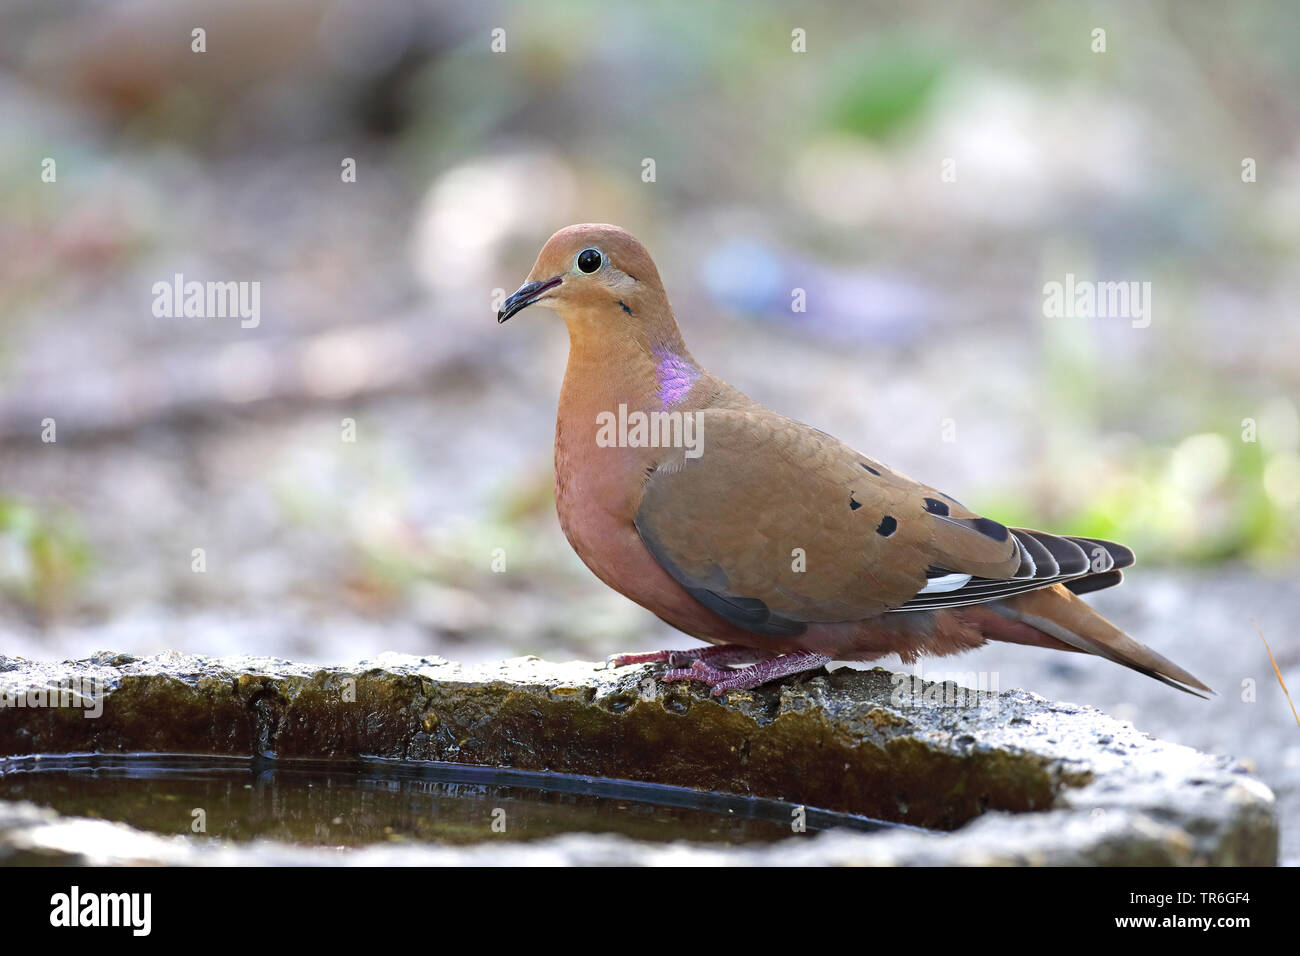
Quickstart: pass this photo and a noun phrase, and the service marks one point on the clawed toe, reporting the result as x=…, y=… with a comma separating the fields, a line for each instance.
x=768, y=669
x=698, y=671
x=764, y=667
x=650, y=657
x=714, y=653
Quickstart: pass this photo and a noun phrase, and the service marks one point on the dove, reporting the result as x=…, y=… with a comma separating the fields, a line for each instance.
x=779, y=546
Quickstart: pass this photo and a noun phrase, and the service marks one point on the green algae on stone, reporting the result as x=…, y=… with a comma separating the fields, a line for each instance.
x=841, y=742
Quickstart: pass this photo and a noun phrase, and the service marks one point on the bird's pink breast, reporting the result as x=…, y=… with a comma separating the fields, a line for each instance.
x=597, y=493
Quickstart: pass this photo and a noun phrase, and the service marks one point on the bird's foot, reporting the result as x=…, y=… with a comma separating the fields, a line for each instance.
x=768, y=669
x=722, y=654
x=649, y=657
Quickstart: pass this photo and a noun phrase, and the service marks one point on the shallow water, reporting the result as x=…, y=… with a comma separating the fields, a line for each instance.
x=355, y=803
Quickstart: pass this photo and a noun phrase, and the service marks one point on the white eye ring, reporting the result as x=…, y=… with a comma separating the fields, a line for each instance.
x=579, y=264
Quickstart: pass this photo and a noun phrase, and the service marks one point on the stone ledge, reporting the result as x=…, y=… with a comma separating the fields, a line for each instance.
x=1016, y=778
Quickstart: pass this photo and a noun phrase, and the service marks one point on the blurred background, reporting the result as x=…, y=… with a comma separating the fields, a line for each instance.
x=920, y=170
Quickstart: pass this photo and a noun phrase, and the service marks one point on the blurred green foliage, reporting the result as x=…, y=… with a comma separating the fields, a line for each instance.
x=43, y=556
x=890, y=89
x=1206, y=499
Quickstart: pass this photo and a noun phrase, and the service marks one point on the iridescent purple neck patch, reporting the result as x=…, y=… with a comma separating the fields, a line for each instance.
x=675, y=375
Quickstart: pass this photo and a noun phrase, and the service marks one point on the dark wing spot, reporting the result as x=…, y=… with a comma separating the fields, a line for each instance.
x=933, y=572
x=990, y=528
x=623, y=305
x=888, y=525
x=868, y=467
x=936, y=507
x=854, y=505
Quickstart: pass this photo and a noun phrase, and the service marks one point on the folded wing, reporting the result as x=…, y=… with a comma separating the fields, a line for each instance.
x=777, y=525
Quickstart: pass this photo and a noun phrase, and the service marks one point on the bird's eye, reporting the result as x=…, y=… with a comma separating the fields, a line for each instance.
x=589, y=260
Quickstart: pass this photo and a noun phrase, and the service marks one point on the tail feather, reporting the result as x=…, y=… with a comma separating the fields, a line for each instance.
x=1058, y=613
x=1095, y=582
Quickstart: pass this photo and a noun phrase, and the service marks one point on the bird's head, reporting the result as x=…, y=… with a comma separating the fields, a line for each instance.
x=592, y=274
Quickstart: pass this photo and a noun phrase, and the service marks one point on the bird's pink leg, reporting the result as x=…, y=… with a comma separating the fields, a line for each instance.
x=765, y=670
x=722, y=654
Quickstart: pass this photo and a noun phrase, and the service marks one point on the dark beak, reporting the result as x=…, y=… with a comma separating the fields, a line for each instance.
x=524, y=296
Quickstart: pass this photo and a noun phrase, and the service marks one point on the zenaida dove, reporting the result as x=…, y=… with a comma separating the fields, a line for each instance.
x=776, y=543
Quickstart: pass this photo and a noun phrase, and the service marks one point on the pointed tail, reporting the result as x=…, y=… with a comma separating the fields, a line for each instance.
x=1058, y=613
